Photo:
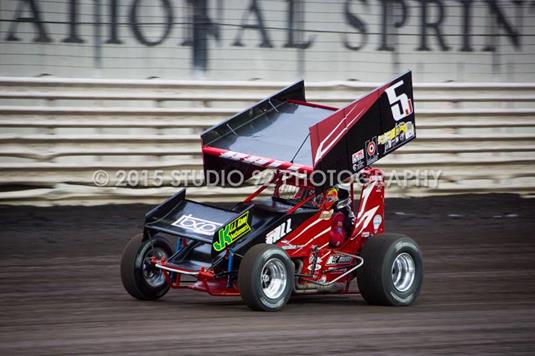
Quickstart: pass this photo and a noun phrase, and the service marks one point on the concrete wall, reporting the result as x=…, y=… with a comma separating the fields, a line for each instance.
x=60, y=137
x=368, y=40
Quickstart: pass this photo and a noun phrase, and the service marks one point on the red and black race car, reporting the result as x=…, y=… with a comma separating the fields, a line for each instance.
x=312, y=238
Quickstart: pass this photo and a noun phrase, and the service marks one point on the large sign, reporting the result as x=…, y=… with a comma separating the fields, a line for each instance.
x=199, y=29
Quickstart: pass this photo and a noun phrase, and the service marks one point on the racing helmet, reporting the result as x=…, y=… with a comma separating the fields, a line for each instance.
x=331, y=198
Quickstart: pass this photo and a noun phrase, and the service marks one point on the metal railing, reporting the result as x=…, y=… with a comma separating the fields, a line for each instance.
x=55, y=133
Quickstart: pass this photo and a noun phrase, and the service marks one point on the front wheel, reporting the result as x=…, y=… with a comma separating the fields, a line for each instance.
x=266, y=278
x=392, y=272
x=140, y=278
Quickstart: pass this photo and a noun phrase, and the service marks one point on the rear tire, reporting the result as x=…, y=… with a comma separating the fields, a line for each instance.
x=392, y=272
x=266, y=278
x=140, y=279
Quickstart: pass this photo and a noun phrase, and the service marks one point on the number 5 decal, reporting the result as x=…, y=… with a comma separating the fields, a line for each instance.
x=401, y=105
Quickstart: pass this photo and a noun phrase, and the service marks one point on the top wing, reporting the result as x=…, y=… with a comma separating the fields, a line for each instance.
x=273, y=133
x=286, y=132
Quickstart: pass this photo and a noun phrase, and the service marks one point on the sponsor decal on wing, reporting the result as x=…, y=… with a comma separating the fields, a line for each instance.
x=357, y=160
x=372, y=152
x=401, y=133
x=260, y=161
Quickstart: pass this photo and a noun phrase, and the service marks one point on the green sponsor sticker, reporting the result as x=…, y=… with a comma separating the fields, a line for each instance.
x=232, y=232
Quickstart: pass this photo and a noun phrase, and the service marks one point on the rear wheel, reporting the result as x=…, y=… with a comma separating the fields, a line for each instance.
x=140, y=278
x=266, y=278
x=392, y=272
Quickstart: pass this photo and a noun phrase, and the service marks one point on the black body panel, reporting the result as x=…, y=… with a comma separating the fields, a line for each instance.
x=192, y=220
x=295, y=91
x=266, y=216
x=199, y=225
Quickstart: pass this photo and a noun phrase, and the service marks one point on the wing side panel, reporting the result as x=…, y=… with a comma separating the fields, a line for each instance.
x=366, y=130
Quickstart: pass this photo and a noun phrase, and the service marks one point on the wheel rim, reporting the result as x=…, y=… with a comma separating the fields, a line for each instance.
x=273, y=278
x=153, y=276
x=403, y=272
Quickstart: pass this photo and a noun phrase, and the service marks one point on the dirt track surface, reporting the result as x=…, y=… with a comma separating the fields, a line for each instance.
x=60, y=291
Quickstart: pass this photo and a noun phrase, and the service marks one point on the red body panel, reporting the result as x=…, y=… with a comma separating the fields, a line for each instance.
x=315, y=233
x=309, y=243
x=325, y=134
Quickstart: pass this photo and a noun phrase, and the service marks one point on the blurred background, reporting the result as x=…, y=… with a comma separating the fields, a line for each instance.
x=126, y=86
x=281, y=40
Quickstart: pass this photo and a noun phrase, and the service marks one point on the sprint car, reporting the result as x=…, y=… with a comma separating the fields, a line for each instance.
x=308, y=236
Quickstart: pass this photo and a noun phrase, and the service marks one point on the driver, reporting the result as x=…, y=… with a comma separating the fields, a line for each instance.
x=343, y=218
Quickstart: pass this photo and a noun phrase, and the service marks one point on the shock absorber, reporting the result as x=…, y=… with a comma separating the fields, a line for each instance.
x=315, y=251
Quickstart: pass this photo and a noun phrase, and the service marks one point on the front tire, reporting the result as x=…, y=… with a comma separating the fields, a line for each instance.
x=140, y=278
x=392, y=273
x=266, y=278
